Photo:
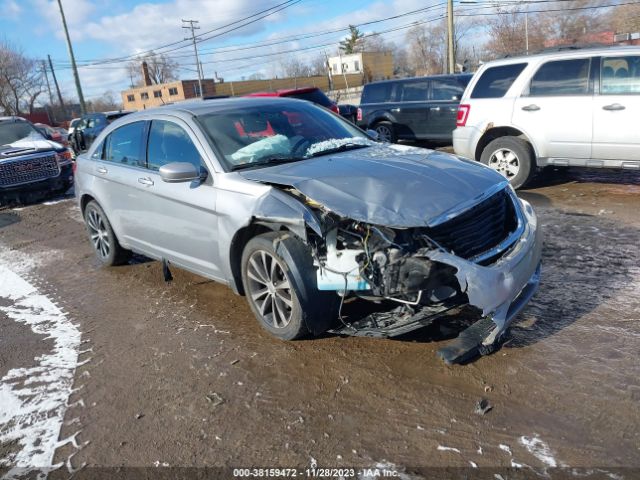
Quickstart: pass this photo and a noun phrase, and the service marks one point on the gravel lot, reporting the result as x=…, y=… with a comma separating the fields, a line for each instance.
x=180, y=374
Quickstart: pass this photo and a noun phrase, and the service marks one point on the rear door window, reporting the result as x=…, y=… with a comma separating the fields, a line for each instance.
x=496, y=81
x=620, y=76
x=377, y=93
x=415, y=91
x=168, y=143
x=446, y=89
x=125, y=145
x=561, y=77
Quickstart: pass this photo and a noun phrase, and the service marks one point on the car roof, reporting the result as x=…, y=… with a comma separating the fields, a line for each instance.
x=13, y=118
x=426, y=77
x=201, y=107
x=283, y=92
x=568, y=52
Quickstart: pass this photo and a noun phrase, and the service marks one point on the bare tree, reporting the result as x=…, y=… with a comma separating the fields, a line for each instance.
x=318, y=65
x=108, y=101
x=625, y=19
x=21, y=80
x=294, y=67
x=162, y=69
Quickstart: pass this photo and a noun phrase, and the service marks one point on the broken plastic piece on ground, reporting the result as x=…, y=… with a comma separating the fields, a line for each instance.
x=398, y=321
x=482, y=406
x=468, y=344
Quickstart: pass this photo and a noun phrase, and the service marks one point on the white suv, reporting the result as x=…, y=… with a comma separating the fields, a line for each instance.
x=566, y=108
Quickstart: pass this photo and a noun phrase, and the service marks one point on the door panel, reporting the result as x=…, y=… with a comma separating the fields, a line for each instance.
x=616, y=110
x=556, y=111
x=412, y=110
x=445, y=95
x=178, y=221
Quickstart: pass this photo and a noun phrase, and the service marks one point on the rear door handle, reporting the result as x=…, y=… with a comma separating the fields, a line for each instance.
x=145, y=181
x=102, y=170
x=531, y=108
x=614, y=107
x=395, y=110
x=434, y=109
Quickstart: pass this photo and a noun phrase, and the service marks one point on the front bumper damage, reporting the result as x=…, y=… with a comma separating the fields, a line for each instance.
x=499, y=290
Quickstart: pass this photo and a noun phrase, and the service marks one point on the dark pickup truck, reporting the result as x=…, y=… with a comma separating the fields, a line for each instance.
x=30, y=164
x=423, y=108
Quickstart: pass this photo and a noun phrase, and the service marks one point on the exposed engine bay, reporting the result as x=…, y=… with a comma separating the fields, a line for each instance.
x=422, y=278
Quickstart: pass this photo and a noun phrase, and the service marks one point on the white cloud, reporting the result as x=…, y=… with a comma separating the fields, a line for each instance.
x=10, y=9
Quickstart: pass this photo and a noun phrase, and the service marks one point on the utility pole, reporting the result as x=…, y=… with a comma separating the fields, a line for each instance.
x=83, y=108
x=46, y=77
x=55, y=81
x=450, y=38
x=190, y=24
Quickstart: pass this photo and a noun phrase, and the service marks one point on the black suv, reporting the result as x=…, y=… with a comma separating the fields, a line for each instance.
x=423, y=108
x=90, y=126
x=31, y=165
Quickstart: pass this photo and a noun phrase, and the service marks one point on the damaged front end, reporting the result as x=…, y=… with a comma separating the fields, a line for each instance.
x=486, y=255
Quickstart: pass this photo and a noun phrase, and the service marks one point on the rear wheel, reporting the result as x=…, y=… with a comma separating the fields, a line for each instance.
x=386, y=132
x=512, y=157
x=279, y=281
x=103, y=240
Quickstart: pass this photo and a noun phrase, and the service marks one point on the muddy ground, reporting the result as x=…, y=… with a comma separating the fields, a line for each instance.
x=180, y=374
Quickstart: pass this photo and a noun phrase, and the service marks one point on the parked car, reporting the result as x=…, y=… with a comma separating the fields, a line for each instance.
x=311, y=94
x=295, y=207
x=31, y=165
x=573, y=108
x=348, y=111
x=90, y=126
x=72, y=127
x=423, y=108
x=52, y=133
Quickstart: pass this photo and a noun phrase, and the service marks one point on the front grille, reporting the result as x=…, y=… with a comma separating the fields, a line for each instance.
x=28, y=170
x=480, y=228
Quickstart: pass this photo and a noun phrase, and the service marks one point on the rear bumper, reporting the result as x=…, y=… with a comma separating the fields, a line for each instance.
x=40, y=187
x=465, y=140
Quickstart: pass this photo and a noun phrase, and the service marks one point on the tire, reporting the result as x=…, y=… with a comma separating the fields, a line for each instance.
x=283, y=295
x=386, y=132
x=101, y=236
x=512, y=157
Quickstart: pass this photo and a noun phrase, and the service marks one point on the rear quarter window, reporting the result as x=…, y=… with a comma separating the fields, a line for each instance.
x=376, y=93
x=496, y=81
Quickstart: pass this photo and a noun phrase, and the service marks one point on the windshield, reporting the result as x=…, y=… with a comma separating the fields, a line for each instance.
x=269, y=134
x=12, y=132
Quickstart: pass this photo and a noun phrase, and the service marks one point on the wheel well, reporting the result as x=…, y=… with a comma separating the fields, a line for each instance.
x=497, y=132
x=240, y=240
x=84, y=200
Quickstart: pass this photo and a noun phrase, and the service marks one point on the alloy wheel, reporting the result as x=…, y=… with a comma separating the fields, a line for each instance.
x=98, y=233
x=505, y=162
x=270, y=289
x=384, y=133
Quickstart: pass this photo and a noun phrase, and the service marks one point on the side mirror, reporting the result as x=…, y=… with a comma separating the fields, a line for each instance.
x=373, y=134
x=177, y=172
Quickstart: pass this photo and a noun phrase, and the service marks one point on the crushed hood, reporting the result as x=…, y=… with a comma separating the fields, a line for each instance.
x=389, y=185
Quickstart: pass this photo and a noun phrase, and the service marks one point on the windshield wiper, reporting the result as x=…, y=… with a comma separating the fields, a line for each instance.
x=266, y=162
x=341, y=148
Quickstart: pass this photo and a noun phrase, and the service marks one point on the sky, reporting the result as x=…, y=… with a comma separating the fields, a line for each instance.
x=112, y=29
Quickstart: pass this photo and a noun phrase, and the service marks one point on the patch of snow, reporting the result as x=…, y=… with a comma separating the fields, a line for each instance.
x=473, y=464
x=337, y=143
x=448, y=449
x=514, y=464
x=539, y=449
x=505, y=448
x=57, y=200
x=34, y=399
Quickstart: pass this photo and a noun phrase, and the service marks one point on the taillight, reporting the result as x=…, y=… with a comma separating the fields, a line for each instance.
x=74, y=167
x=334, y=108
x=463, y=115
x=359, y=115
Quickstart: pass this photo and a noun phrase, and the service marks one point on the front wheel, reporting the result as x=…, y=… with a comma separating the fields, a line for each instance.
x=512, y=157
x=279, y=281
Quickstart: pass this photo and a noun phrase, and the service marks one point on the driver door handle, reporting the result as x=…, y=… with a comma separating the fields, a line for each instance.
x=531, y=108
x=614, y=107
x=102, y=170
x=145, y=181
